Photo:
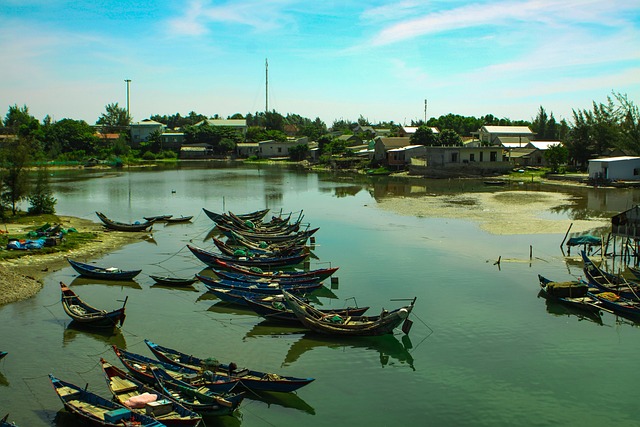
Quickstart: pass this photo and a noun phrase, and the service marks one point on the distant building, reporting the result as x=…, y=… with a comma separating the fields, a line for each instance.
x=240, y=125
x=247, y=149
x=400, y=157
x=172, y=141
x=350, y=140
x=140, y=131
x=272, y=149
x=410, y=130
x=624, y=168
x=383, y=144
x=489, y=135
x=196, y=151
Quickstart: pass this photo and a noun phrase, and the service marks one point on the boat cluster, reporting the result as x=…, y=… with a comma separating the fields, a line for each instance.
x=256, y=264
x=598, y=292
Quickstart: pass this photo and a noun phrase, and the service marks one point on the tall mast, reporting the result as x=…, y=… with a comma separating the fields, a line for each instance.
x=266, y=93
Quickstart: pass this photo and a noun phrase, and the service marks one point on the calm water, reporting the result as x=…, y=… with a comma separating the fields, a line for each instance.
x=484, y=350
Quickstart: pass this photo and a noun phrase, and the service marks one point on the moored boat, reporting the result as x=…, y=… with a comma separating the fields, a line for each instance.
x=276, y=309
x=123, y=226
x=105, y=273
x=174, y=281
x=210, y=258
x=87, y=315
x=572, y=293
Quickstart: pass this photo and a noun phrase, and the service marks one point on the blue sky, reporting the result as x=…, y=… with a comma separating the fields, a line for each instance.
x=327, y=59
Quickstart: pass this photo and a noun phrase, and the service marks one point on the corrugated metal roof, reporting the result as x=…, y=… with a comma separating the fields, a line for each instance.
x=508, y=129
x=614, y=159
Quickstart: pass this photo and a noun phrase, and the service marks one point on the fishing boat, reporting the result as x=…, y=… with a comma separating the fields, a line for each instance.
x=123, y=226
x=3, y=354
x=4, y=422
x=276, y=309
x=199, y=399
x=157, y=218
x=573, y=293
x=230, y=275
x=255, y=216
x=299, y=237
x=250, y=379
x=139, y=397
x=258, y=287
x=607, y=282
x=140, y=368
x=322, y=273
x=93, y=409
x=619, y=305
x=87, y=315
x=175, y=220
x=332, y=324
x=257, y=253
x=210, y=258
x=173, y=281
x=104, y=273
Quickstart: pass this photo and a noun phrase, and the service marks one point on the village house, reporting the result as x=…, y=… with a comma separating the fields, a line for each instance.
x=489, y=135
x=247, y=149
x=172, y=141
x=239, y=125
x=140, y=131
x=196, y=151
x=410, y=130
x=383, y=144
x=400, y=157
x=274, y=149
x=623, y=168
x=466, y=160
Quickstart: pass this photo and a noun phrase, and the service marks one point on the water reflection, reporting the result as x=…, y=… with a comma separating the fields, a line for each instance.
x=80, y=280
x=75, y=330
x=557, y=309
x=223, y=307
x=391, y=350
x=285, y=400
x=3, y=380
x=189, y=288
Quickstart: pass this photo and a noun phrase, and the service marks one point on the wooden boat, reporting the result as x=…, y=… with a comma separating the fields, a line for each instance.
x=607, y=282
x=199, y=399
x=209, y=258
x=173, y=281
x=574, y=294
x=262, y=246
x=140, y=368
x=230, y=275
x=87, y=315
x=133, y=394
x=157, y=218
x=235, y=297
x=276, y=309
x=495, y=183
x=175, y=220
x=317, y=321
x=123, y=226
x=93, y=409
x=618, y=305
x=250, y=379
x=255, y=216
x=4, y=422
x=322, y=273
x=258, y=287
x=3, y=354
x=299, y=237
x=254, y=253
x=108, y=273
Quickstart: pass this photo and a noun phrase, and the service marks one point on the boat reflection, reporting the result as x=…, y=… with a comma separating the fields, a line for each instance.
x=189, y=288
x=75, y=330
x=391, y=350
x=223, y=307
x=80, y=280
x=285, y=400
x=557, y=309
x=3, y=380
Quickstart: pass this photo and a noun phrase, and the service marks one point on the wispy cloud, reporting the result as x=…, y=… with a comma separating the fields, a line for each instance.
x=503, y=14
x=200, y=15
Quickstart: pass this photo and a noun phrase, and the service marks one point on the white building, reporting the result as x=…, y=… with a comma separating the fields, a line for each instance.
x=624, y=168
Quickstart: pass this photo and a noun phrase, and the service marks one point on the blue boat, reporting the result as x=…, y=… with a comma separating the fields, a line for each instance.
x=3, y=354
x=250, y=379
x=258, y=287
x=104, y=273
x=607, y=282
x=209, y=258
x=239, y=277
x=93, y=409
x=4, y=422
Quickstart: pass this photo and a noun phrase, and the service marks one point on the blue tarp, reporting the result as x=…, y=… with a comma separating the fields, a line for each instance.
x=27, y=244
x=587, y=239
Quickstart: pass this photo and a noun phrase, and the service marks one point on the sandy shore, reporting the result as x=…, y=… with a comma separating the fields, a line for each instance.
x=21, y=278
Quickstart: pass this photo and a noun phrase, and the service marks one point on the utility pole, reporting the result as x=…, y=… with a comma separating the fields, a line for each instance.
x=266, y=93
x=128, y=81
x=425, y=111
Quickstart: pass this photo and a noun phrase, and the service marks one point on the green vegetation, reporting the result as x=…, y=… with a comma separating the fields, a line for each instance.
x=71, y=239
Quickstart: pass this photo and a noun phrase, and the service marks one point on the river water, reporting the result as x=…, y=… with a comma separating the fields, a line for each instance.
x=483, y=350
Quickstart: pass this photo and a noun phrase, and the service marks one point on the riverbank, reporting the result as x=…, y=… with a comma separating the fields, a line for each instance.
x=21, y=278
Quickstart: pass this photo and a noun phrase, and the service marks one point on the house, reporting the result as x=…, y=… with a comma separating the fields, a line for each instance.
x=240, y=125
x=271, y=149
x=350, y=140
x=196, y=151
x=488, y=135
x=511, y=142
x=544, y=145
x=523, y=157
x=140, y=131
x=383, y=144
x=172, y=141
x=400, y=157
x=247, y=149
x=410, y=130
x=450, y=161
x=623, y=168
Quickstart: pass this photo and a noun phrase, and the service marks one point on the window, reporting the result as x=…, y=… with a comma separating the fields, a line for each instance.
x=454, y=157
x=493, y=156
x=279, y=149
x=636, y=172
x=472, y=157
x=482, y=156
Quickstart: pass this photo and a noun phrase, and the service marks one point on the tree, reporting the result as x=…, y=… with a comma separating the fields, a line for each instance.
x=449, y=137
x=16, y=155
x=41, y=198
x=298, y=152
x=556, y=155
x=69, y=135
x=424, y=136
x=114, y=120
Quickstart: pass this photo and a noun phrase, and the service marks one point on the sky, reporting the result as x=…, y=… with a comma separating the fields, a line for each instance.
x=386, y=61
